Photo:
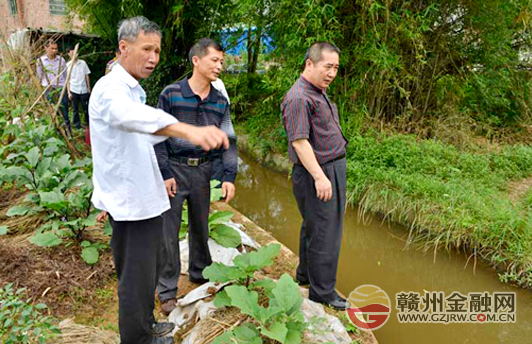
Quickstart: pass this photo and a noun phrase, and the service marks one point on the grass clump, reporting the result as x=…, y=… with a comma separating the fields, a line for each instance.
x=447, y=196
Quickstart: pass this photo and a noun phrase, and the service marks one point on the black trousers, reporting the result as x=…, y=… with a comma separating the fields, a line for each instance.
x=77, y=100
x=321, y=230
x=137, y=254
x=193, y=185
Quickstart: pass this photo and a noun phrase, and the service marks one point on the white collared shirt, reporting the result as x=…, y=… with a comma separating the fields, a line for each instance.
x=126, y=177
x=78, y=80
x=219, y=85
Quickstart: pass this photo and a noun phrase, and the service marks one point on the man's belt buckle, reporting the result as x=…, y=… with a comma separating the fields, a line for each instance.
x=193, y=162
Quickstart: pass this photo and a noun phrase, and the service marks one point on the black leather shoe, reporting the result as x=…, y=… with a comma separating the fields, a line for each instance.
x=162, y=340
x=197, y=280
x=160, y=329
x=338, y=303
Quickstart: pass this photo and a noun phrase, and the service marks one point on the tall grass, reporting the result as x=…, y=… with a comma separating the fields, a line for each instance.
x=448, y=197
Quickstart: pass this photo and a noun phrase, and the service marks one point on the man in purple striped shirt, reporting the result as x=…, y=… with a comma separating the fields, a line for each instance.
x=51, y=70
x=317, y=149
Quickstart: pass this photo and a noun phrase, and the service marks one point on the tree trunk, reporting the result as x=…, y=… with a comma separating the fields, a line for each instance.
x=256, y=51
x=250, y=49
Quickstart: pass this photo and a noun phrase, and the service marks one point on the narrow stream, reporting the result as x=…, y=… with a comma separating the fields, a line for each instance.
x=375, y=253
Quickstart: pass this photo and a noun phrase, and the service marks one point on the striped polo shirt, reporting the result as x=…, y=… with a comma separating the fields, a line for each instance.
x=309, y=114
x=178, y=100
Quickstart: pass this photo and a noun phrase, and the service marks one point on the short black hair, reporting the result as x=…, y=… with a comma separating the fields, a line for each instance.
x=314, y=53
x=201, y=48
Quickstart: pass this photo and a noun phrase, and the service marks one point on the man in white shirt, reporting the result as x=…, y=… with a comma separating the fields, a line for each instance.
x=127, y=181
x=78, y=87
x=220, y=86
x=217, y=164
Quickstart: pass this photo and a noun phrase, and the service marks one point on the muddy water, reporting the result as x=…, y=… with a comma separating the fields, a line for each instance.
x=375, y=253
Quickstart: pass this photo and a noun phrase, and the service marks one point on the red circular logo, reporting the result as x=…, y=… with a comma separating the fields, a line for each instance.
x=369, y=307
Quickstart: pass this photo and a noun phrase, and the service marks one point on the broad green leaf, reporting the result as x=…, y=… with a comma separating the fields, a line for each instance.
x=90, y=255
x=267, y=284
x=183, y=231
x=56, y=224
x=266, y=313
x=82, y=162
x=287, y=295
x=222, y=299
x=216, y=193
x=257, y=260
x=107, y=229
x=220, y=217
x=89, y=221
x=226, y=338
x=245, y=300
x=14, y=172
x=44, y=166
x=51, y=197
x=33, y=156
x=13, y=156
x=226, y=236
x=47, y=180
x=77, y=200
x=293, y=337
x=32, y=197
x=50, y=150
x=41, y=306
x=4, y=230
x=72, y=223
x=63, y=163
x=18, y=210
x=76, y=178
x=55, y=141
x=247, y=334
x=218, y=272
x=184, y=217
x=277, y=331
x=47, y=239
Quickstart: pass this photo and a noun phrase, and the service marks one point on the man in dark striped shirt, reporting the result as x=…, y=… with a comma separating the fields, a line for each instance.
x=187, y=169
x=317, y=149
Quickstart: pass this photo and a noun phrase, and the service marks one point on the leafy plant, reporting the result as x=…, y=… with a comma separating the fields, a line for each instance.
x=282, y=320
x=218, y=229
x=59, y=189
x=244, y=267
x=22, y=322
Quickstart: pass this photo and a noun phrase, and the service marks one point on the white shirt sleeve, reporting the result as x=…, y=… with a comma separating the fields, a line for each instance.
x=119, y=111
x=86, y=68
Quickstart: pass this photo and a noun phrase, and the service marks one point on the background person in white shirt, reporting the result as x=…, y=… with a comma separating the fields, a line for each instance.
x=79, y=87
x=217, y=164
x=127, y=181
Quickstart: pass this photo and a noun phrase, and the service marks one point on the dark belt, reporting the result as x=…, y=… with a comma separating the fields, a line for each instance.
x=193, y=162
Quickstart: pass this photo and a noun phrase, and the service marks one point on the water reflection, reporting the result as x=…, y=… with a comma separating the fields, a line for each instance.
x=375, y=253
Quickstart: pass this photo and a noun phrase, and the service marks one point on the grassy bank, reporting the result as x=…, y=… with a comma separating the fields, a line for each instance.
x=448, y=197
